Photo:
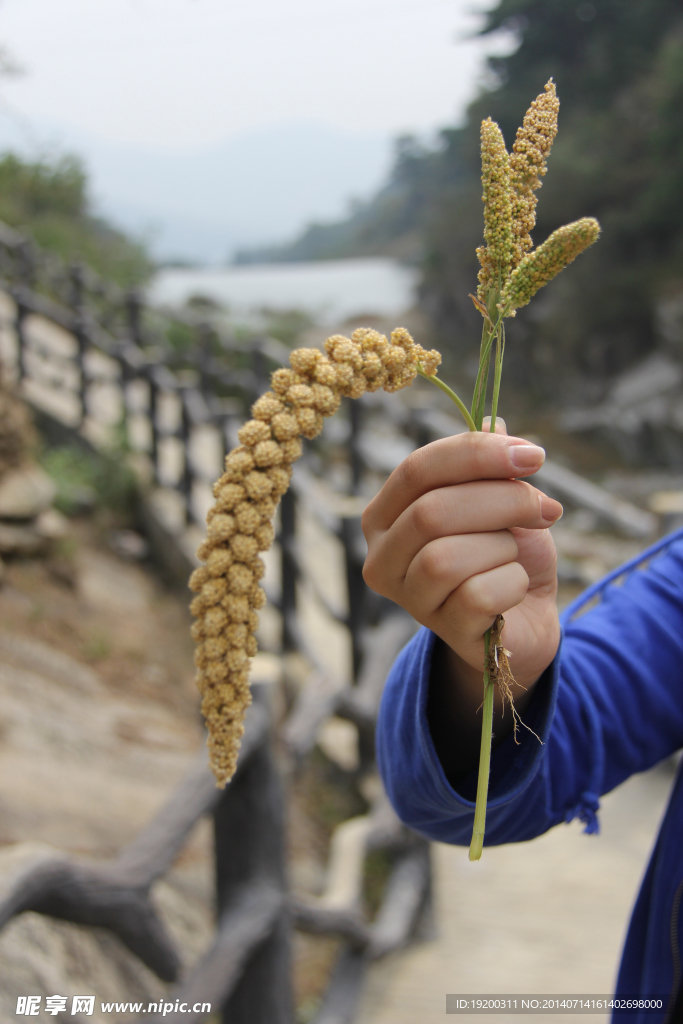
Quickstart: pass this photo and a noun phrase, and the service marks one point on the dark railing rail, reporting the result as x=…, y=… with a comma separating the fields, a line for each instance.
x=212, y=379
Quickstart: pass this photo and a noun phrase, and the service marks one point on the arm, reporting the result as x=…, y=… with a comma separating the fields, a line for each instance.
x=609, y=706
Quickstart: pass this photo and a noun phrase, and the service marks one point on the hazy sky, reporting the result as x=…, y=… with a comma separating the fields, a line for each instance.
x=189, y=73
x=209, y=124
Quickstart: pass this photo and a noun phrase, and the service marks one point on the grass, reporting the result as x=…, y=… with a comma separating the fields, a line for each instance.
x=88, y=480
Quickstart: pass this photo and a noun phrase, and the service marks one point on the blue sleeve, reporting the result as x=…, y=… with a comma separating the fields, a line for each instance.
x=610, y=705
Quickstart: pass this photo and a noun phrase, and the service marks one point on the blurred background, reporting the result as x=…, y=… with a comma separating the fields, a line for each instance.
x=188, y=189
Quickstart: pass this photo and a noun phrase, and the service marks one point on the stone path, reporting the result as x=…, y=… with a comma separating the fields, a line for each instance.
x=547, y=916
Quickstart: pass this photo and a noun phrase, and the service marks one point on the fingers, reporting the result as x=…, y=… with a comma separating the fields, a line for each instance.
x=441, y=566
x=469, y=611
x=483, y=506
x=536, y=553
x=449, y=461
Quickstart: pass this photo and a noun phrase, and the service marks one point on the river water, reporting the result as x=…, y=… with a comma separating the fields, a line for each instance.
x=331, y=291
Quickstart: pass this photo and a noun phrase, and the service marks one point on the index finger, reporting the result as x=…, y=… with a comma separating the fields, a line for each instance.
x=450, y=460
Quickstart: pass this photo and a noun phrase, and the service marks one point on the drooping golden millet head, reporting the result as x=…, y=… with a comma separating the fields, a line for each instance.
x=257, y=474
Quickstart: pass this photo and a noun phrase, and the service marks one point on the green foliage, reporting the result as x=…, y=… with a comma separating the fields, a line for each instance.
x=618, y=157
x=181, y=336
x=49, y=200
x=378, y=866
x=97, y=647
x=87, y=480
x=288, y=325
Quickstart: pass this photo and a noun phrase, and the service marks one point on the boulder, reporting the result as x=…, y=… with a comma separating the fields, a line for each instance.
x=21, y=539
x=51, y=525
x=25, y=493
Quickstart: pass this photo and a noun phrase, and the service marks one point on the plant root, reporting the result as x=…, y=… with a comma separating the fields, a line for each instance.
x=499, y=671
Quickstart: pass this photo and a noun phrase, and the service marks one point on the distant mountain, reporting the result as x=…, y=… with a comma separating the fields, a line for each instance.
x=257, y=188
x=389, y=223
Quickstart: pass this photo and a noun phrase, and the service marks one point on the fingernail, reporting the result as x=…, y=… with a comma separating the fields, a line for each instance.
x=526, y=456
x=551, y=510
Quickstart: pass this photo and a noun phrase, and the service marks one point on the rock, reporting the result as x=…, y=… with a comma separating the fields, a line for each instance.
x=109, y=585
x=32, y=538
x=17, y=539
x=25, y=493
x=338, y=739
x=129, y=545
x=51, y=524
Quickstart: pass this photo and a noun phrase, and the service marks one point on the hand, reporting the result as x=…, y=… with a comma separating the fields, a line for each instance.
x=456, y=538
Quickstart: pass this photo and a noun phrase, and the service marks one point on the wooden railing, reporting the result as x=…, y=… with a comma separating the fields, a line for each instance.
x=105, y=366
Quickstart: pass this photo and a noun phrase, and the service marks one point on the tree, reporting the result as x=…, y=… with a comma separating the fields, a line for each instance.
x=618, y=156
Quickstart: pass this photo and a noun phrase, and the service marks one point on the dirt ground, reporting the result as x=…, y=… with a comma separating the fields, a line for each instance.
x=99, y=720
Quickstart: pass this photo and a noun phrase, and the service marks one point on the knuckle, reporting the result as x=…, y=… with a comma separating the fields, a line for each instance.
x=490, y=594
x=432, y=565
x=411, y=471
x=527, y=508
x=426, y=515
x=478, y=595
x=423, y=515
x=371, y=572
x=519, y=580
x=375, y=574
x=366, y=520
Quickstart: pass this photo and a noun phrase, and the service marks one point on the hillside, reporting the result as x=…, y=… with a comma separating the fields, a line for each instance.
x=48, y=200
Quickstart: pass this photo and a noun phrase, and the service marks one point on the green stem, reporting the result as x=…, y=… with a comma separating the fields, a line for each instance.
x=497, y=371
x=479, y=398
x=477, y=383
x=477, y=844
x=452, y=395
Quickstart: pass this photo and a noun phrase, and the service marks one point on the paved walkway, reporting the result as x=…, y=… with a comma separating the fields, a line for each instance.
x=546, y=917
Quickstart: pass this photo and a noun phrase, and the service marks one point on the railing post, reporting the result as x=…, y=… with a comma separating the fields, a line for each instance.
x=258, y=365
x=133, y=311
x=152, y=412
x=22, y=366
x=204, y=338
x=355, y=456
x=354, y=558
x=186, y=479
x=133, y=317
x=354, y=544
x=249, y=829
x=76, y=302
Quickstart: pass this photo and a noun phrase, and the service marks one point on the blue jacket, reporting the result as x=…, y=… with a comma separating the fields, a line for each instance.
x=610, y=705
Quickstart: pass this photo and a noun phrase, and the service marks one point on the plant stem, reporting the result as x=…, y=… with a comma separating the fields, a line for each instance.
x=477, y=844
x=452, y=395
x=497, y=371
x=479, y=397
